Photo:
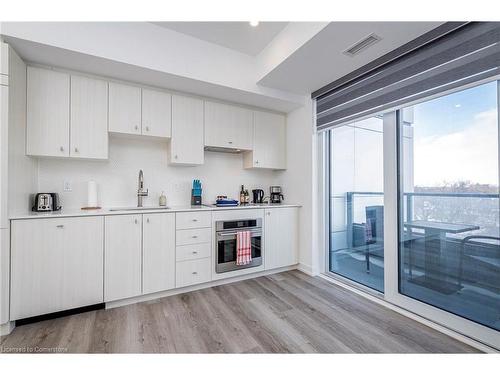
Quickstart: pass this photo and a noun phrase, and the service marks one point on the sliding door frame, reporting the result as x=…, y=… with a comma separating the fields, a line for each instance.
x=391, y=144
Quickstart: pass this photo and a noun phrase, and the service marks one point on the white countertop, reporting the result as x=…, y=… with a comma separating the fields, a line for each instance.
x=112, y=211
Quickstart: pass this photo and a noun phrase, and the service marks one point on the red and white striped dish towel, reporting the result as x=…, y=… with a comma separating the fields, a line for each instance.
x=243, y=248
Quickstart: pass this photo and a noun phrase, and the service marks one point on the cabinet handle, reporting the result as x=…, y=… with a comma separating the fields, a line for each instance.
x=147, y=128
x=175, y=157
x=147, y=220
x=195, y=220
x=230, y=142
x=268, y=214
x=195, y=236
x=136, y=127
x=135, y=221
x=195, y=273
x=61, y=148
x=195, y=252
x=60, y=226
x=76, y=149
x=256, y=162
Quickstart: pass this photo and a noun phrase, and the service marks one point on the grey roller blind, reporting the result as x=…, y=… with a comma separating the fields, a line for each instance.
x=468, y=54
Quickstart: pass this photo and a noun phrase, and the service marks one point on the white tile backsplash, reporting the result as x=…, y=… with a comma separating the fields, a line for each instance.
x=117, y=177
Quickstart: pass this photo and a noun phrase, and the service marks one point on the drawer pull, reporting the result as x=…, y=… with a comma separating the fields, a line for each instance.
x=195, y=273
x=195, y=252
x=60, y=226
x=195, y=236
x=195, y=220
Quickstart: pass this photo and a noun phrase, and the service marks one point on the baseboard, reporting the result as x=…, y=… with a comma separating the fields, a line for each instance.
x=7, y=328
x=305, y=268
x=172, y=292
x=438, y=327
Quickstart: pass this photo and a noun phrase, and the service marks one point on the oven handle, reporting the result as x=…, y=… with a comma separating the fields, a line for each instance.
x=224, y=234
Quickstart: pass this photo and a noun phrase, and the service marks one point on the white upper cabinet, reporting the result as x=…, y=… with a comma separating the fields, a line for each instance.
x=281, y=237
x=48, y=118
x=133, y=110
x=124, y=108
x=156, y=113
x=158, y=252
x=89, y=118
x=186, y=146
x=228, y=126
x=269, y=142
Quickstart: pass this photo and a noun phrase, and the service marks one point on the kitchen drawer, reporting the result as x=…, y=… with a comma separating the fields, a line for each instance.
x=193, y=236
x=192, y=272
x=190, y=252
x=188, y=220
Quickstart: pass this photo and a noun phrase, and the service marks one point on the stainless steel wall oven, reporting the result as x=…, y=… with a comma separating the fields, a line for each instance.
x=226, y=243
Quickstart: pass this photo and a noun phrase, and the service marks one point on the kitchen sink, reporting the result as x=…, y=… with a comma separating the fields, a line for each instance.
x=139, y=208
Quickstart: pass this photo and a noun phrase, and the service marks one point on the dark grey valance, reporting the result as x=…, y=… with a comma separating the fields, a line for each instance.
x=465, y=53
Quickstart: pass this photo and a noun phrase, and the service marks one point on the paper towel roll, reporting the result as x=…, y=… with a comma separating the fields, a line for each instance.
x=92, y=194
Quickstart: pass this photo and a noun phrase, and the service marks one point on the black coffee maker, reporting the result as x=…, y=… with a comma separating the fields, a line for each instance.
x=258, y=196
x=276, y=196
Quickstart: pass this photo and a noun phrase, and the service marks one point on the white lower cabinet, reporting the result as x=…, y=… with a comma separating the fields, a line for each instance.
x=158, y=252
x=192, y=272
x=56, y=264
x=281, y=228
x=193, y=250
x=123, y=257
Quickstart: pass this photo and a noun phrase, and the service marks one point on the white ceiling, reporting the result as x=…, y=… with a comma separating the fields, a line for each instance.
x=239, y=36
x=321, y=60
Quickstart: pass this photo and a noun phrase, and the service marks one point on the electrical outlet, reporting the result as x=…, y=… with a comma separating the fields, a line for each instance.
x=67, y=186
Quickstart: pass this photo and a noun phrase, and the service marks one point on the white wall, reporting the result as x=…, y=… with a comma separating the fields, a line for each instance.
x=23, y=170
x=297, y=180
x=117, y=177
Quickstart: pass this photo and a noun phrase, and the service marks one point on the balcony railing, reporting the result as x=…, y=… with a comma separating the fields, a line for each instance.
x=408, y=200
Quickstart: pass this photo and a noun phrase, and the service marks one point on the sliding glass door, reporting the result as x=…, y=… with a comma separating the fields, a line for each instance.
x=357, y=202
x=449, y=234
x=414, y=208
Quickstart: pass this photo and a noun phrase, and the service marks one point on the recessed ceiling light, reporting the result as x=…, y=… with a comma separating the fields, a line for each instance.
x=254, y=23
x=458, y=105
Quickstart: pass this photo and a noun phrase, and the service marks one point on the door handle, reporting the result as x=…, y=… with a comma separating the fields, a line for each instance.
x=60, y=226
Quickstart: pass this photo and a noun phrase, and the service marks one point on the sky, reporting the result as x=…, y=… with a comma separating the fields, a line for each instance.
x=456, y=138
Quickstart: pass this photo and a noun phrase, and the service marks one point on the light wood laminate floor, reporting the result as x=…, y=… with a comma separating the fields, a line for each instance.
x=288, y=312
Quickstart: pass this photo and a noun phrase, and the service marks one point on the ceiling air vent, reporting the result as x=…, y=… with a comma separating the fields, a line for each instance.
x=362, y=44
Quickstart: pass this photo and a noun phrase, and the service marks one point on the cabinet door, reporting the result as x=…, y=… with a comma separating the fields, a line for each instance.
x=281, y=237
x=56, y=264
x=124, y=109
x=269, y=147
x=47, y=116
x=158, y=252
x=89, y=118
x=228, y=126
x=4, y=155
x=156, y=113
x=122, y=257
x=186, y=146
x=4, y=275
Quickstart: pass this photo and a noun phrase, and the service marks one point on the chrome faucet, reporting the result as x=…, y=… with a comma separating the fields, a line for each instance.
x=140, y=191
